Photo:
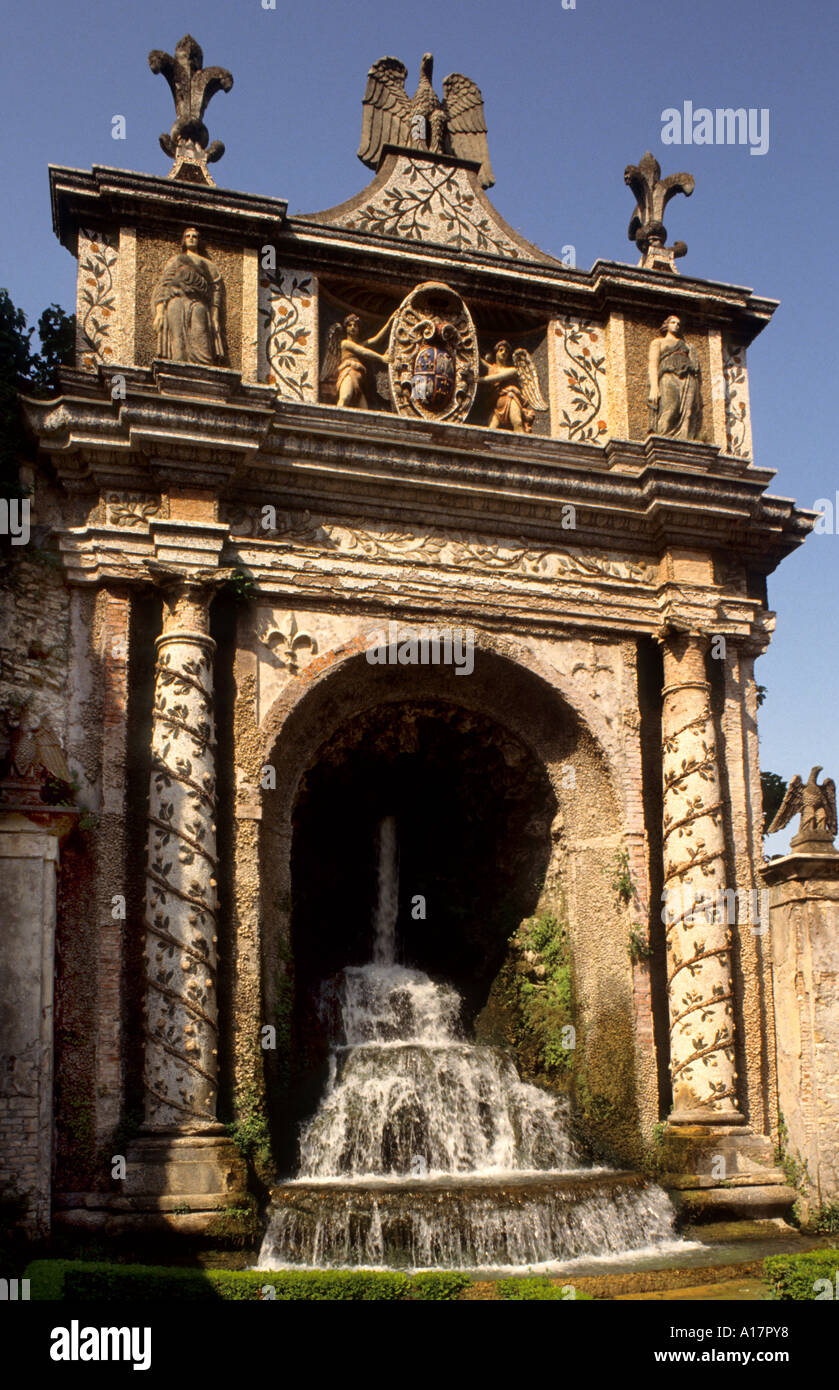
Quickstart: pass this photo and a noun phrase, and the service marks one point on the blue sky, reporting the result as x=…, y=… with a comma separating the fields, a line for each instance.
x=571, y=96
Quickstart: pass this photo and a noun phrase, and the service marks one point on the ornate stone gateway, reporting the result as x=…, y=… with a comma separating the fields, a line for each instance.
x=286, y=444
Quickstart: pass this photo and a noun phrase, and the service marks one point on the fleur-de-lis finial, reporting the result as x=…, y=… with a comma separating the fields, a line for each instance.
x=652, y=194
x=192, y=87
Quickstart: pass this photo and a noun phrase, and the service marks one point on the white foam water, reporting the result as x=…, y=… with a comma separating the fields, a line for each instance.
x=430, y=1151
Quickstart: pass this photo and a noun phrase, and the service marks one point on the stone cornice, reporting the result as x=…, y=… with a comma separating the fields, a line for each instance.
x=105, y=195
x=805, y=870
x=543, y=287
x=487, y=583
x=178, y=427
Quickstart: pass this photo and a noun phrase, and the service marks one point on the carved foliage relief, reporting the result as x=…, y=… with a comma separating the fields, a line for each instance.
x=455, y=548
x=580, y=380
x=738, y=424
x=181, y=904
x=288, y=337
x=96, y=299
x=427, y=202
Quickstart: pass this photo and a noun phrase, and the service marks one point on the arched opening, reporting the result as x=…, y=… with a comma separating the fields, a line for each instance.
x=473, y=809
x=503, y=801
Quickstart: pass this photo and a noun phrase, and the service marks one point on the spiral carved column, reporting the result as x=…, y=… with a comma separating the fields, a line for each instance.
x=181, y=1052
x=699, y=981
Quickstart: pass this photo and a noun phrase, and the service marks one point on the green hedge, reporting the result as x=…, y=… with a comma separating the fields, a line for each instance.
x=793, y=1276
x=81, y=1281
x=439, y=1287
x=77, y=1280
x=519, y=1290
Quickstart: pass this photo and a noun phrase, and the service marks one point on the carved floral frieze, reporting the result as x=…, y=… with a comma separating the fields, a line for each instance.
x=131, y=509
x=426, y=202
x=580, y=377
x=96, y=299
x=454, y=548
x=288, y=338
x=738, y=425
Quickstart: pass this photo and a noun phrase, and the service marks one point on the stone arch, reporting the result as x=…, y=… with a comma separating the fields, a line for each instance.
x=535, y=707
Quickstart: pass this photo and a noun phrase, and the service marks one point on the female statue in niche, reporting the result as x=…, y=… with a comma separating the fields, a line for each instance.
x=674, y=378
x=189, y=306
x=348, y=357
x=513, y=379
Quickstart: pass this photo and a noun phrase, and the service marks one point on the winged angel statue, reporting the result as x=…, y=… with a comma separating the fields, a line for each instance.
x=512, y=376
x=815, y=804
x=455, y=125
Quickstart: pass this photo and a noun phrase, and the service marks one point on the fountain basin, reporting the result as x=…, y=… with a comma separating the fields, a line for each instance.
x=463, y=1221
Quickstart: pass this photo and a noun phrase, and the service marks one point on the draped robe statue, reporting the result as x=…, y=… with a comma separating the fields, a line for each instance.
x=189, y=306
x=674, y=381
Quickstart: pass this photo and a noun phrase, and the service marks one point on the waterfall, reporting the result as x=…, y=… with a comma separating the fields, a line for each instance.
x=428, y=1150
x=387, y=898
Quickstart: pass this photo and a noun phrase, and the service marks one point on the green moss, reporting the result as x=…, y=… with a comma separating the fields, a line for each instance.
x=824, y=1220
x=79, y=1121
x=250, y=1133
x=438, y=1286
x=533, y=1001
x=239, y=1226
x=795, y=1171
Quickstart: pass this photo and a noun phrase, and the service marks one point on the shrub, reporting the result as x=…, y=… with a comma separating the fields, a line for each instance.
x=439, y=1287
x=792, y=1277
x=519, y=1290
x=86, y=1281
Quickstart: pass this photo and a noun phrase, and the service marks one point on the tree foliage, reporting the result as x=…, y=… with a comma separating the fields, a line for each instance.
x=33, y=373
x=774, y=789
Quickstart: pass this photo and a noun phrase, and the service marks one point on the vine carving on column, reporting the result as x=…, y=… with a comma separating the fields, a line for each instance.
x=698, y=936
x=181, y=904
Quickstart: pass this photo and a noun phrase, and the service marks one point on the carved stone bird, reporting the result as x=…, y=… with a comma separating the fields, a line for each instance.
x=192, y=86
x=816, y=805
x=455, y=125
x=34, y=751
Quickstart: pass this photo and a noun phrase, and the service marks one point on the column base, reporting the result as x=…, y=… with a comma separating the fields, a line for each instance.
x=177, y=1185
x=722, y=1171
x=202, y=1170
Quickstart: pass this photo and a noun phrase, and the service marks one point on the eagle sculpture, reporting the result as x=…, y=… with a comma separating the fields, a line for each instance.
x=33, y=750
x=816, y=805
x=455, y=125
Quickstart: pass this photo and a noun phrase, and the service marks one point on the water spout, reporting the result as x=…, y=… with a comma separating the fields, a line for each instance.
x=387, y=897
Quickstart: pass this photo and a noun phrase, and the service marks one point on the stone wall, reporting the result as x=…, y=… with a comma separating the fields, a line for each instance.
x=804, y=908
x=27, y=909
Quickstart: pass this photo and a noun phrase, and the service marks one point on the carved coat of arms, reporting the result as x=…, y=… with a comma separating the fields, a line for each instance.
x=433, y=359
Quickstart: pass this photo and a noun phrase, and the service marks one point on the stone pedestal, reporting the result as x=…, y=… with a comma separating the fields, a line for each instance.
x=28, y=862
x=804, y=916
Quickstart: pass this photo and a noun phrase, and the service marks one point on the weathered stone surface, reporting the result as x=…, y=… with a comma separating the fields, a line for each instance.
x=181, y=1065
x=698, y=936
x=804, y=893
x=296, y=528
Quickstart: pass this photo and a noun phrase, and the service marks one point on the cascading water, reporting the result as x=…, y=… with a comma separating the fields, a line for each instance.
x=428, y=1150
